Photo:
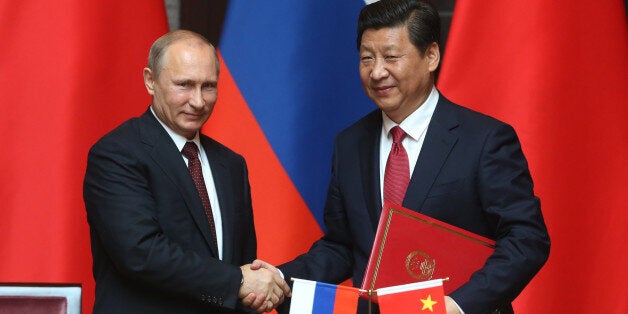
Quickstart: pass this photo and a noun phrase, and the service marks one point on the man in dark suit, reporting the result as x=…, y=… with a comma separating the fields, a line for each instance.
x=461, y=167
x=169, y=208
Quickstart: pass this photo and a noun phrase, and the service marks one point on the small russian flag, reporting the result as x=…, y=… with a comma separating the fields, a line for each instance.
x=322, y=298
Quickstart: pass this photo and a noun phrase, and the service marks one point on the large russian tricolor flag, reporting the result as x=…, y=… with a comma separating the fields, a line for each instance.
x=289, y=82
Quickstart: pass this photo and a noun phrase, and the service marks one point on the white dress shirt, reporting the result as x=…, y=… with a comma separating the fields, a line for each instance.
x=415, y=126
x=207, y=177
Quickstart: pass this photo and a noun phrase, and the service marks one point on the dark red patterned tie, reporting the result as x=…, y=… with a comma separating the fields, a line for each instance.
x=190, y=151
x=397, y=175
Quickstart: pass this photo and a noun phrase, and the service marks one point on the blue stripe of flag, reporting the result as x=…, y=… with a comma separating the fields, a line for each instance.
x=296, y=65
x=324, y=298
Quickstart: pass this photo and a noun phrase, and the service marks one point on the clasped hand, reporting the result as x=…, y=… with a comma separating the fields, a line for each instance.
x=262, y=289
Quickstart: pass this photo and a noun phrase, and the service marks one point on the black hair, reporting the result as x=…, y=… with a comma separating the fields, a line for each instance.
x=420, y=17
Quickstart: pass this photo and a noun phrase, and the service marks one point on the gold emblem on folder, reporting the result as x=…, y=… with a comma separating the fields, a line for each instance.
x=420, y=265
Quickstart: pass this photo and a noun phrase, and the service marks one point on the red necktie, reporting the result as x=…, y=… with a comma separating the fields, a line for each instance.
x=397, y=175
x=190, y=151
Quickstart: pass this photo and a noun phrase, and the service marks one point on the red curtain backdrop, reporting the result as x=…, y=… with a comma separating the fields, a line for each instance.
x=557, y=71
x=70, y=71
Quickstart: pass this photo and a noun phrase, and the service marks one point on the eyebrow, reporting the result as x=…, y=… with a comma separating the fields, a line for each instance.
x=211, y=82
x=385, y=48
x=390, y=47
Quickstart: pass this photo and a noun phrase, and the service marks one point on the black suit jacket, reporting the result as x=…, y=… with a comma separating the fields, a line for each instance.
x=150, y=236
x=471, y=173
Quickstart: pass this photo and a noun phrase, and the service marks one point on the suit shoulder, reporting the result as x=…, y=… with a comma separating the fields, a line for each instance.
x=370, y=122
x=127, y=131
x=468, y=116
x=219, y=147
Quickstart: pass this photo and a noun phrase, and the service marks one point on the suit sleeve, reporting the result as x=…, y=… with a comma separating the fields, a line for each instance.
x=330, y=259
x=249, y=244
x=124, y=222
x=522, y=242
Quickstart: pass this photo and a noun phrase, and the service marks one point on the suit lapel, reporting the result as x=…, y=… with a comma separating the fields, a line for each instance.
x=164, y=152
x=222, y=182
x=369, y=166
x=438, y=143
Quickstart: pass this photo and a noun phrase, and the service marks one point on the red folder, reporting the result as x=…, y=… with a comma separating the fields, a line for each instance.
x=411, y=247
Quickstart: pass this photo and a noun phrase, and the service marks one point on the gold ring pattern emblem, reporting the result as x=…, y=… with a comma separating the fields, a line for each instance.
x=420, y=265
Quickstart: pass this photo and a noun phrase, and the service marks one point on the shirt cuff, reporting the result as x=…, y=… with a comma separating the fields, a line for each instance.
x=458, y=306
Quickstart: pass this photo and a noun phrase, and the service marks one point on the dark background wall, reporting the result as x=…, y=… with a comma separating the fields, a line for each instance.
x=206, y=17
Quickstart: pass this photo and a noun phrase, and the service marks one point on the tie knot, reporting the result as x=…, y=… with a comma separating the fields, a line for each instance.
x=398, y=134
x=190, y=151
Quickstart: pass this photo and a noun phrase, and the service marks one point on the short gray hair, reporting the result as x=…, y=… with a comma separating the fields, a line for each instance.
x=159, y=47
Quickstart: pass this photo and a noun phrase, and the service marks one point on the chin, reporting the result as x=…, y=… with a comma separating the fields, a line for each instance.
x=387, y=107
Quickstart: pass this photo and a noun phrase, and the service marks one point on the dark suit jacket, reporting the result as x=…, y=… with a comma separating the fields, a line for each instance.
x=471, y=173
x=150, y=236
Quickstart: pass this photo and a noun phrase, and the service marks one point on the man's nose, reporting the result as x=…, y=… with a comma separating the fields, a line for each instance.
x=379, y=70
x=196, y=98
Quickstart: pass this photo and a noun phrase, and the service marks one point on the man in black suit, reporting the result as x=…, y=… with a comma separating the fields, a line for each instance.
x=462, y=167
x=167, y=238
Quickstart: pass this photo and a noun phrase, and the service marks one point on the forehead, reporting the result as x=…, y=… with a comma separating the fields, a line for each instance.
x=385, y=38
x=189, y=56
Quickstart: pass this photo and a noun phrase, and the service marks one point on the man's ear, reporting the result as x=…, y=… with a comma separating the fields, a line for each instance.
x=432, y=53
x=149, y=81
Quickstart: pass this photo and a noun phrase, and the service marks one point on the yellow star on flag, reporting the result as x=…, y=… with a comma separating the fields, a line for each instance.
x=428, y=303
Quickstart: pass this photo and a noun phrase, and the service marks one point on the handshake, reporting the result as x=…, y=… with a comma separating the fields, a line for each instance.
x=263, y=288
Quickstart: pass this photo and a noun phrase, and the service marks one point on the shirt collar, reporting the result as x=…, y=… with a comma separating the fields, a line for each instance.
x=417, y=121
x=178, y=139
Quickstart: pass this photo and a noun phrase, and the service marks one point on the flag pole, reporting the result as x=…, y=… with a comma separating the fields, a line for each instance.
x=370, y=292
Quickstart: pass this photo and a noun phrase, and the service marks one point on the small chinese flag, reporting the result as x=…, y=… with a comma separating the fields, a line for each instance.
x=420, y=297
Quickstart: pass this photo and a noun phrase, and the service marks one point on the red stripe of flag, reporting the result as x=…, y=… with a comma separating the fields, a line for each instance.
x=285, y=227
x=346, y=300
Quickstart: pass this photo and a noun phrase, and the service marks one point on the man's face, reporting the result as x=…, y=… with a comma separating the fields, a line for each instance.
x=185, y=92
x=394, y=73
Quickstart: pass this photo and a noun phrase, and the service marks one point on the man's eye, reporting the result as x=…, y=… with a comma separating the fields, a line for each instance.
x=391, y=58
x=366, y=58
